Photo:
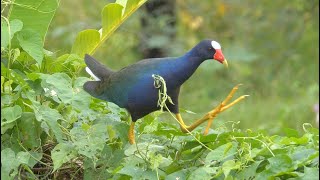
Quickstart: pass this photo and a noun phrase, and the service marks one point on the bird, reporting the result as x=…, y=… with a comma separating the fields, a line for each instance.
x=132, y=87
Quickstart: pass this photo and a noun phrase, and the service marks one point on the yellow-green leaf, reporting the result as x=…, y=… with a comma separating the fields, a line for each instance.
x=130, y=5
x=111, y=15
x=85, y=41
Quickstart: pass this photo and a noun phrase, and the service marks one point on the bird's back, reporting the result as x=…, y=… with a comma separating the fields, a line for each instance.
x=133, y=86
x=135, y=82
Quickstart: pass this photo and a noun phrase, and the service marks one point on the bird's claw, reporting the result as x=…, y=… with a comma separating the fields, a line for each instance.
x=223, y=106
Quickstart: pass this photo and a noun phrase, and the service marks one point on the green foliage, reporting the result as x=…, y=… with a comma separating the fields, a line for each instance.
x=35, y=14
x=113, y=15
x=31, y=42
x=51, y=128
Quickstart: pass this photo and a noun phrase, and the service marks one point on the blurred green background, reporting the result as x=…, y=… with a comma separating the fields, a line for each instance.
x=271, y=47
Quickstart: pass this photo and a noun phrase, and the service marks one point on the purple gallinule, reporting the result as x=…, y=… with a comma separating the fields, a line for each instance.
x=133, y=87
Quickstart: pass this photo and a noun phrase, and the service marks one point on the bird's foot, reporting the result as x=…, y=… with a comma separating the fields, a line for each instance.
x=222, y=107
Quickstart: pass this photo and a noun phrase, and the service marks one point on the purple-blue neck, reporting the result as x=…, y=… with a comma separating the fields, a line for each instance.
x=187, y=64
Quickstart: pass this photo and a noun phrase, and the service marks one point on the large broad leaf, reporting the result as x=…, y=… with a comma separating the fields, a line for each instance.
x=62, y=153
x=138, y=173
x=15, y=26
x=60, y=85
x=10, y=162
x=30, y=130
x=279, y=165
x=10, y=114
x=96, y=137
x=113, y=15
x=222, y=152
x=85, y=40
x=9, y=167
x=49, y=117
x=250, y=171
x=31, y=42
x=202, y=173
x=35, y=14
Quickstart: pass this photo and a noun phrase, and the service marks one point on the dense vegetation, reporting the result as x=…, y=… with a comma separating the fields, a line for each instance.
x=51, y=128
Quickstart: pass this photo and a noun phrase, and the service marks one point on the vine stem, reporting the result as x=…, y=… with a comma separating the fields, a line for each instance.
x=38, y=160
x=255, y=138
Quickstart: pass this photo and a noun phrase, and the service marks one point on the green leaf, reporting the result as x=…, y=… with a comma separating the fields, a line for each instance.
x=30, y=130
x=111, y=132
x=50, y=117
x=16, y=77
x=111, y=15
x=152, y=127
x=249, y=172
x=291, y=132
x=81, y=99
x=123, y=3
x=4, y=34
x=279, y=164
x=31, y=42
x=23, y=157
x=68, y=63
x=85, y=41
x=15, y=26
x=138, y=173
x=10, y=162
x=131, y=5
x=15, y=54
x=9, y=167
x=34, y=14
x=94, y=141
x=62, y=153
x=228, y=166
x=182, y=174
x=202, y=173
x=60, y=85
x=33, y=76
x=35, y=157
x=88, y=41
x=309, y=174
x=7, y=86
x=10, y=114
x=302, y=156
x=155, y=160
x=222, y=152
x=293, y=140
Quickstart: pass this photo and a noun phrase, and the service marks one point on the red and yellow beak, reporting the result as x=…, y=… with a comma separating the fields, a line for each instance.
x=220, y=57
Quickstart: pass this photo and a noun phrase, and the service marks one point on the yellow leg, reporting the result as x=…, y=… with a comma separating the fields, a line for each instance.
x=131, y=134
x=212, y=114
x=223, y=106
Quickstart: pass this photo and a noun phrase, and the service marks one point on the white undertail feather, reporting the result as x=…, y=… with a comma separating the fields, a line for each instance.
x=92, y=75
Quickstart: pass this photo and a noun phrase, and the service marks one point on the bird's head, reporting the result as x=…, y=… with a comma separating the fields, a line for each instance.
x=210, y=49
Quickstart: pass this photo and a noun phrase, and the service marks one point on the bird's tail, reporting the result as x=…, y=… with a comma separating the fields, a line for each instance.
x=96, y=69
x=92, y=87
x=98, y=72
